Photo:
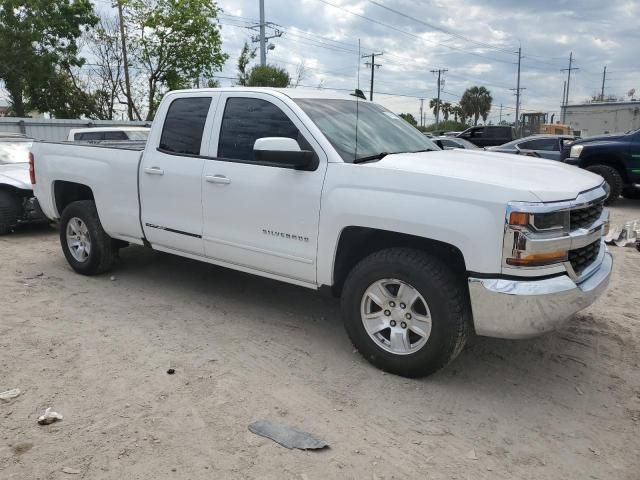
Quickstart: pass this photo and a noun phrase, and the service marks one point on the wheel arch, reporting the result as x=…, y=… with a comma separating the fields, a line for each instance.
x=65, y=192
x=613, y=161
x=356, y=243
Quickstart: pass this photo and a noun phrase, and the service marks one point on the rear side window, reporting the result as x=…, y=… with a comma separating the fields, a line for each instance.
x=184, y=125
x=89, y=136
x=497, y=132
x=548, y=144
x=477, y=132
x=247, y=119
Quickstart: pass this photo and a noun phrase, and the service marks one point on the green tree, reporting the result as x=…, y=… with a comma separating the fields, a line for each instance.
x=434, y=105
x=268, y=76
x=63, y=97
x=409, y=118
x=38, y=40
x=476, y=103
x=246, y=55
x=175, y=42
x=446, y=110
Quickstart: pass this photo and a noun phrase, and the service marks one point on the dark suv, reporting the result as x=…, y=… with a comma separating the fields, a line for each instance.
x=616, y=158
x=488, y=135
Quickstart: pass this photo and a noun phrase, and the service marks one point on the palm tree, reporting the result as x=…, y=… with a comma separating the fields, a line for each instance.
x=476, y=103
x=457, y=113
x=446, y=110
x=434, y=106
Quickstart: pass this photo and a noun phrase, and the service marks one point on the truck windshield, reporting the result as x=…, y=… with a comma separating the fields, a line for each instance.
x=14, y=152
x=378, y=129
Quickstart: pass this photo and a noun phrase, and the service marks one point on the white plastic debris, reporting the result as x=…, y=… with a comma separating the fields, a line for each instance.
x=49, y=417
x=626, y=235
x=9, y=394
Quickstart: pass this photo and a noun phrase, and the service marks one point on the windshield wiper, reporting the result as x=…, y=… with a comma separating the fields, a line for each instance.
x=425, y=150
x=377, y=156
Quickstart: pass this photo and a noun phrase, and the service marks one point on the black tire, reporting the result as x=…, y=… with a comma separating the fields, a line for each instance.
x=102, y=253
x=613, y=179
x=10, y=211
x=632, y=193
x=443, y=291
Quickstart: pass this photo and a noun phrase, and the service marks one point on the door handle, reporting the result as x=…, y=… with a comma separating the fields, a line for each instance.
x=221, y=179
x=154, y=171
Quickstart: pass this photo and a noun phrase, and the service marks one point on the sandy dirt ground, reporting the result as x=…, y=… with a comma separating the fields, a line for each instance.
x=563, y=406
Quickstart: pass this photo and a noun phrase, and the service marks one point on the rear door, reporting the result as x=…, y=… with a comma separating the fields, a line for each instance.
x=259, y=216
x=171, y=175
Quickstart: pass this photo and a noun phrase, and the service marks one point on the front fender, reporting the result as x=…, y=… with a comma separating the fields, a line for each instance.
x=476, y=229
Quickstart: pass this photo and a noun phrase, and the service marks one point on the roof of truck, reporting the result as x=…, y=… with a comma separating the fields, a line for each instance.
x=290, y=92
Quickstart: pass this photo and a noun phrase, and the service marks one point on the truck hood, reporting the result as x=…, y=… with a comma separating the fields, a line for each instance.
x=601, y=138
x=16, y=175
x=548, y=180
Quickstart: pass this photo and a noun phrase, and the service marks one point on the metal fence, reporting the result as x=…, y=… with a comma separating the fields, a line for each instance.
x=57, y=130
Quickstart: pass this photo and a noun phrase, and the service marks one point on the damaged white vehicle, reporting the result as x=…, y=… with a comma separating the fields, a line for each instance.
x=17, y=203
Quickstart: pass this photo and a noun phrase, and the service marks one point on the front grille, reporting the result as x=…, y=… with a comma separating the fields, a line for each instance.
x=584, y=217
x=581, y=258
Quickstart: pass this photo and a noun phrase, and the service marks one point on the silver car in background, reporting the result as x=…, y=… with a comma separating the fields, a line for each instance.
x=543, y=146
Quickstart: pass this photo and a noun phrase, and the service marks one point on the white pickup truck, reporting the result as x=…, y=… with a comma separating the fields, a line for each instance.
x=325, y=190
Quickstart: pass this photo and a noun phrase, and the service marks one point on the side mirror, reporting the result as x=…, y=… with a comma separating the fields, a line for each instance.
x=284, y=152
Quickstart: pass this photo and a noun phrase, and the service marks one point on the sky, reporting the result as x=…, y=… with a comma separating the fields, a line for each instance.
x=475, y=41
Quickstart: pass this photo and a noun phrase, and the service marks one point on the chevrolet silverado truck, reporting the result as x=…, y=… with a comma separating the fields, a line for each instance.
x=328, y=191
x=616, y=158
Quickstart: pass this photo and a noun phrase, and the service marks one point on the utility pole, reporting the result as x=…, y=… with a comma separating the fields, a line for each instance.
x=518, y=92
x=604, y=75
x=262, y=37
x=263, y=43
x=373, y=65
x=566, y=98
x=421, y=107
x=440, y=71
x=500, y=121
x=123, y=41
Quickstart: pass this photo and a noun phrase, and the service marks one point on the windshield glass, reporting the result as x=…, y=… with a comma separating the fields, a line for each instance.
x=138, y=135
x=379, y=130
x=14, y=152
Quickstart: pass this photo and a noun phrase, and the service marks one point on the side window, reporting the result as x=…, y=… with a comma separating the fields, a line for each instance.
x=184, y=125
x=247, y=119
x=115, y=135
x=449, y=143
x=549, y=144
x=478, y=132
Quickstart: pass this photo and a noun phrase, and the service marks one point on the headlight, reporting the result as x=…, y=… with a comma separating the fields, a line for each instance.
x=575, y=151
x=526, y=228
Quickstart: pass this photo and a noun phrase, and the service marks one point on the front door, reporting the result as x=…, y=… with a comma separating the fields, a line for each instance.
x=171, y=177
x=258, y=216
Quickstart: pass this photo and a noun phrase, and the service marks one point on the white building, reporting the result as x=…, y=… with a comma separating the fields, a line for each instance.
x=589, y=119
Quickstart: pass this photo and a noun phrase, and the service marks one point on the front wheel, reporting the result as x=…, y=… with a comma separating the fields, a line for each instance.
x=406, y=311
x=613, y=179
x=86, y=246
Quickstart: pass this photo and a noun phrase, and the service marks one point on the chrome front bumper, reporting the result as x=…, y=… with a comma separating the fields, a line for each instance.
x=526, y=308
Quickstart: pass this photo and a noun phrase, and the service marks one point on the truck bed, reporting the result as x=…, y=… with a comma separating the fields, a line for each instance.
x=110, y=171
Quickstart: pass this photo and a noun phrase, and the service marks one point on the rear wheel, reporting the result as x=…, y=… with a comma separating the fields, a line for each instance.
x=405, y=311
x=10, y=211
x=613, y=179
x=86, y=246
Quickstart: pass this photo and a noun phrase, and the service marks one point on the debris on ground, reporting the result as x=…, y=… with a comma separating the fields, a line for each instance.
x=49, y=417
x=113, y=278
x=171, y=371
x=71, y=471
x=626, y=235
x=9, y=394
x=472, y=454
x=290, y=437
